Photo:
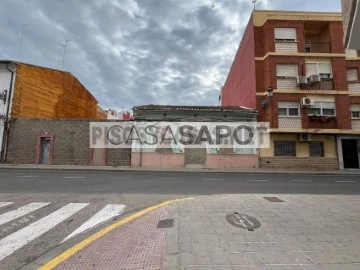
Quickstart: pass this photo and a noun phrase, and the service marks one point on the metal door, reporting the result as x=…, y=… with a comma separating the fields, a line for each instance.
x=350, y=154
x=45, y=151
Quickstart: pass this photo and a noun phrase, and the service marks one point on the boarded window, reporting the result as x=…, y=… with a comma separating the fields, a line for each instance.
x=316, y=149
x=285, y=148
x=352, y=75
x=285, y=34
x=287, y=70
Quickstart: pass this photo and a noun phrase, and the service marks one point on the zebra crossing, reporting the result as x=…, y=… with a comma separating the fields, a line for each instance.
x=24, y=235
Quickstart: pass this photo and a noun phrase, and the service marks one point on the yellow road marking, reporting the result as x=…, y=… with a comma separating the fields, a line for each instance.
x=79, y=246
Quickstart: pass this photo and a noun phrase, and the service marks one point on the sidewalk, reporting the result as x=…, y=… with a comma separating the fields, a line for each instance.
x=191, y=170
x=301, y=232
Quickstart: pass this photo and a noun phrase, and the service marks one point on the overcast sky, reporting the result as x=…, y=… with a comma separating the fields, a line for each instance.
x=135, y=52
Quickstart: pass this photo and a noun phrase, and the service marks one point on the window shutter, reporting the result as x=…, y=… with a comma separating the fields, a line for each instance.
x=311, y=69
x=324, y=68
x=355, y=108
x=285, y=33
x=289, y=105
x=286, y=70
x=328, y=105
x=352, y=74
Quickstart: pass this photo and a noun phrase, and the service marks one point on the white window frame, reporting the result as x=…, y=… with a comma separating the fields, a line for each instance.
x=320, y=105
x=355, y=109
x=318, y=70
x=285, y=39
x=288, y=106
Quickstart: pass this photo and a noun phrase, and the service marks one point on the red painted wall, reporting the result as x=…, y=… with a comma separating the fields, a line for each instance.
x=240, y=85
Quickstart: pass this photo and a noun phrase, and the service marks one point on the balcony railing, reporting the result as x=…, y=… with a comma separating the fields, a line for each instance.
x=322, y=85
x=317, y=47
x=354, y=86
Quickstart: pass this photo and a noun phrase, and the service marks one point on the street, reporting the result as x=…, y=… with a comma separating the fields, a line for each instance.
x=43, y=210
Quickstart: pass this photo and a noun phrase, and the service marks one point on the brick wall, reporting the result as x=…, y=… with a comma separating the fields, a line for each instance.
x=71, y=142
x=337, y=37
x=240, y=85
x=299, y=163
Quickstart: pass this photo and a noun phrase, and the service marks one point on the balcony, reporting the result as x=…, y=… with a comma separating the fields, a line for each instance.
x=317, y=47
x=289, y=122
x=322, y=122
x=324, y=84
x=354, y=86
x=286, y=46
x=355, y=124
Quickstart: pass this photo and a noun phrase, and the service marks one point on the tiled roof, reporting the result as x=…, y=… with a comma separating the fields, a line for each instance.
x=170, y=108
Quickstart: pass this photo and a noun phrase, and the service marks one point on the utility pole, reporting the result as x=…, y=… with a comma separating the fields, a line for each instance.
x=64, y=56
x=21, y=40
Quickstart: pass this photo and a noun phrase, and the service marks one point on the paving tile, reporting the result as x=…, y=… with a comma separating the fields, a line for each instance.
x=186, y=248
x=203, y=258
x=187, y=259
x=220, y=259
x=237, y=259
x=253, y=258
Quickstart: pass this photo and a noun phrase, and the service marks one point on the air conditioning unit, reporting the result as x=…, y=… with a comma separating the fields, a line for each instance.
x=314, y=79
x=306, y=102
x=305, y=137
x=302, y=80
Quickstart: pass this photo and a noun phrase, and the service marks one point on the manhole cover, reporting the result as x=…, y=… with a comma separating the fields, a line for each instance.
x=273, y=199
x=243, y=221
x=165, y=223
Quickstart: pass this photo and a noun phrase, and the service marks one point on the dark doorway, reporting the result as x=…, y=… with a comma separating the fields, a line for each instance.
x=45, y=150
x=350, y=154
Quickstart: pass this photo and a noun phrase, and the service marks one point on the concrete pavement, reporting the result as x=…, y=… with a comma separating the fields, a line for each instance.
x=296, y=232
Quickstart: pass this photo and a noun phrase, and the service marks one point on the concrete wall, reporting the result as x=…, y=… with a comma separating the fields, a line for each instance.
x=304, y=163
x=71, y=142
x=231, y=161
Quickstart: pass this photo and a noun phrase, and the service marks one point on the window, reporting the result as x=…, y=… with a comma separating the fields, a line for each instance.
x=321, y=108
x=289, y=109
x=285, y=148
x=287, y=70
x=355, y=111
x=319, y=68
x=316, y=149
x=352, y=75
x=285, y=34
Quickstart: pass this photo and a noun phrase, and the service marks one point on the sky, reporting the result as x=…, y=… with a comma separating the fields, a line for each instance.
x=136, y=52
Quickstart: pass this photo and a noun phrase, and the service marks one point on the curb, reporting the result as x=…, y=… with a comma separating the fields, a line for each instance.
x=87, y=241
x=116, y=169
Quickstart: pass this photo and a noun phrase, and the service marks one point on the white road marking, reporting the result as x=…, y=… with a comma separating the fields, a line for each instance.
x=27, y=176
x=26, y=209
x=2, y=204
x=346, y=181
x=210, y=179
x=254, y=180
x=301, y=181
x=74, y=177
x=108, y=212
x=15, y=241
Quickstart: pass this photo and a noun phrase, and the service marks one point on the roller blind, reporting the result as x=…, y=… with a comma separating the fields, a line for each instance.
x=355, y=108
x=352, y=74
x=285, y=33
x=324, y=68
x=286, y=70
x=288, y=104
x=311, y=69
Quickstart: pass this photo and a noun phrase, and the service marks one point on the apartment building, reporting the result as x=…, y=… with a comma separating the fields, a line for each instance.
x=293, y=68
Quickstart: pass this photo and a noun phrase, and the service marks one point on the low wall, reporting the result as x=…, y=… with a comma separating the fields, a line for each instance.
x=315, y=163
x=157, y=160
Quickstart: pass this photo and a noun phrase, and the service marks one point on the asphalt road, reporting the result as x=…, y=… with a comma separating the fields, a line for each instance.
x=93, y=191
x=173, y=183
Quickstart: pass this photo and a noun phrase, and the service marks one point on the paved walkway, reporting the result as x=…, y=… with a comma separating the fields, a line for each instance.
x=111, y=168
x=300, y=232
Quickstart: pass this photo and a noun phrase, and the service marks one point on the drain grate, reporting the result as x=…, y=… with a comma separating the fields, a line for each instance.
x=273, y=199
x=165, y=223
